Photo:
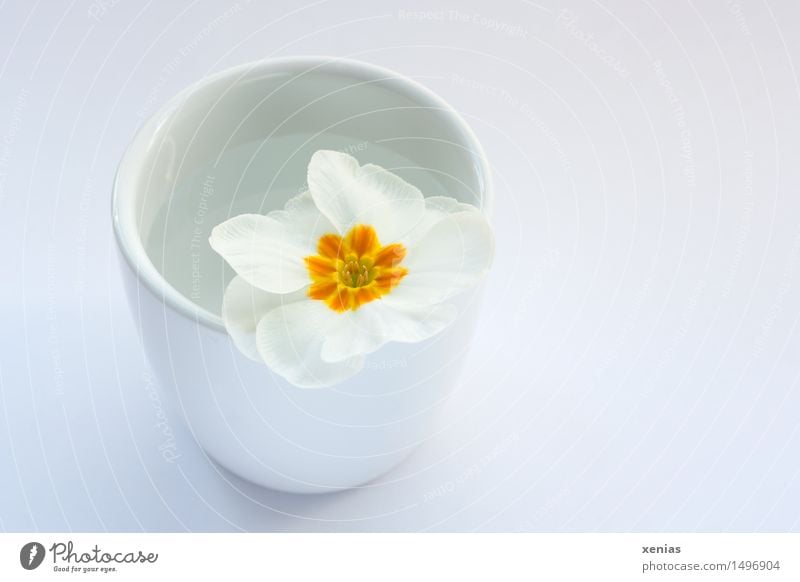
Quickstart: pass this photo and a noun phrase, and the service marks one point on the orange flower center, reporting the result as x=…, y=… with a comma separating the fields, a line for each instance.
x=351, y=271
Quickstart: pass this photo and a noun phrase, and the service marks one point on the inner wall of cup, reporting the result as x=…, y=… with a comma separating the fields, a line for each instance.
x=243, y=144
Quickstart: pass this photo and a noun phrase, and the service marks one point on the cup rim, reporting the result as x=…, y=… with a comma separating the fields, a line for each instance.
x=126, y=232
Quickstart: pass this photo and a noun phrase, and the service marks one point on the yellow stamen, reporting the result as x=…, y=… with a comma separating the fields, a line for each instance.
x=351, y=271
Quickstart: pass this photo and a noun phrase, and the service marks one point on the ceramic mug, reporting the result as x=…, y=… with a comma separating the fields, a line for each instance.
x=240, y=141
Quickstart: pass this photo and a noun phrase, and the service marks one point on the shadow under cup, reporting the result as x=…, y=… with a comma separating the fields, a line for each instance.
x=239, y=142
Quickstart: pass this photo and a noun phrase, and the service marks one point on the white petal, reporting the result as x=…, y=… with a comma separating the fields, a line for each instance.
x=348, y=195
x=243, y=306
x=372, y=325
x=453, y=255
x=290, y=340
x=436, y=208
x=445, y=205
x=268, y=251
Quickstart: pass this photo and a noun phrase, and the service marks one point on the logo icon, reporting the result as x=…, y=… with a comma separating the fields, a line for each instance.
x=31, y=555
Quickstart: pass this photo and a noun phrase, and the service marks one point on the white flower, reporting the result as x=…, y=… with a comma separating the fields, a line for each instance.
x=359, y=260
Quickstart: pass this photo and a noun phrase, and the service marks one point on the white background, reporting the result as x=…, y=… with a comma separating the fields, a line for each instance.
x=636, y=367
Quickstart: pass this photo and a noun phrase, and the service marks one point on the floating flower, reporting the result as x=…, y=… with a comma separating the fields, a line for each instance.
x=359, y=260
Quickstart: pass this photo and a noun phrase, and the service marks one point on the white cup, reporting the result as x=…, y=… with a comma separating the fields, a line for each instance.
x=240, y=141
